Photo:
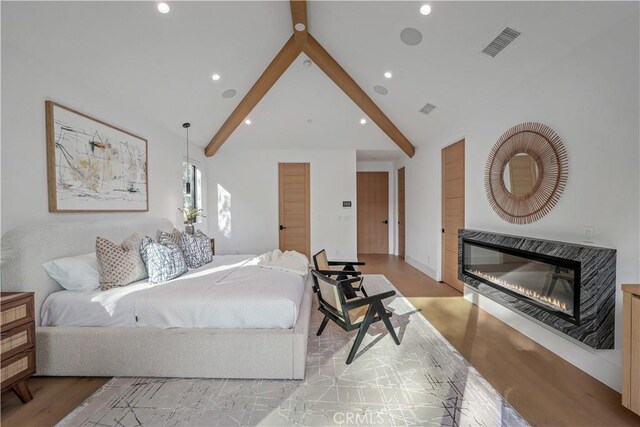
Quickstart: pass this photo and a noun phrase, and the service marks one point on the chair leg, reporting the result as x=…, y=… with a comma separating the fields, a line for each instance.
x=323, y=325
x=347, y=289
x=362, y=331
x=385, y=318
x=362, y=290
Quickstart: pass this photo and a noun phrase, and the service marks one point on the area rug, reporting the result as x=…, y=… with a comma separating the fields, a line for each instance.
x=424, y=381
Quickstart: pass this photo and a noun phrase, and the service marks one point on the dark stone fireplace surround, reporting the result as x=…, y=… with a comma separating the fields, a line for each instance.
x=597, y=285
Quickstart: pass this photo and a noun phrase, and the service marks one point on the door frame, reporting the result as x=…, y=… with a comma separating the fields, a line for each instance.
x=440, y=271
x=307, y=202
x=397, y=219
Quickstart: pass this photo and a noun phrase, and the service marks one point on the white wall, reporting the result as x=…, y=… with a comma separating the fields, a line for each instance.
x=385, y=166
x=250, y=177
x=591, y=100
x=26, y=84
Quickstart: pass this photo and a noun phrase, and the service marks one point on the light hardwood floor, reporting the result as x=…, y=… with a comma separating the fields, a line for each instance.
x=544, y=388
x=53, y=398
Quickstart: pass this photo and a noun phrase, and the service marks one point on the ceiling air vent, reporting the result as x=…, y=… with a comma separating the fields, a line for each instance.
x=499, y=43
x=427, y=108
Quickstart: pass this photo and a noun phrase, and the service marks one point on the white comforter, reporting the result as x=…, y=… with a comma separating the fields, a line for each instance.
x=230, y=292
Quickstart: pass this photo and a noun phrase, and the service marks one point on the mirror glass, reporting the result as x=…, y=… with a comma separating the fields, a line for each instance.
x=521, y=174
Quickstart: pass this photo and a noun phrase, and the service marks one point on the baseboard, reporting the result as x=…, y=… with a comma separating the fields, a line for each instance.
x=422, y=267
x=578, y=354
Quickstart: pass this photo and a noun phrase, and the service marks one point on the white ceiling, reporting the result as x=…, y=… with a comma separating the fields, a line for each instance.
x=280, y=120
x=161, y=65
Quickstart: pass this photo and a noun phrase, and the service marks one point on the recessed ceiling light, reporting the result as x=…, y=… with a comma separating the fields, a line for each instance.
x=363, y=121
x=306, y=63
x=215, y=77
x=299, y=26
x=388, y=74
x=247, y=122
x=425, y=9
x=163, y=8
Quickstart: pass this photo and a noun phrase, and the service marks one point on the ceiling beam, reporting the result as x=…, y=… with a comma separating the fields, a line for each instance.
x=299, y=16
x=269, y=77
x=335, y=72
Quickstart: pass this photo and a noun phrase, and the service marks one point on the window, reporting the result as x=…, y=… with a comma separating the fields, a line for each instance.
x=192, y=187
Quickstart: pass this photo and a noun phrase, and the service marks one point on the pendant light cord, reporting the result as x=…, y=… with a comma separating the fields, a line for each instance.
x=188, y=184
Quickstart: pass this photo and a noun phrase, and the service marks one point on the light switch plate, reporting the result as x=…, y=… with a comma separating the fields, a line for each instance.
x=589, y=234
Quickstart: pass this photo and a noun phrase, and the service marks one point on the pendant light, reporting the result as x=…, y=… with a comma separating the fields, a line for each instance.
x=188, y=185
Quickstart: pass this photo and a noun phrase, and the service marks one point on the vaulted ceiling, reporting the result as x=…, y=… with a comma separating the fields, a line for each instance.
x=161, y=65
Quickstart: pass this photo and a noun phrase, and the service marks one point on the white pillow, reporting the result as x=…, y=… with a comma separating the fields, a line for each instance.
x=78, y=273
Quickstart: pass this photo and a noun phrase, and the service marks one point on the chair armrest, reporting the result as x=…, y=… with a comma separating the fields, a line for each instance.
x=346, y=263
x=339, y=273
x=368, y=300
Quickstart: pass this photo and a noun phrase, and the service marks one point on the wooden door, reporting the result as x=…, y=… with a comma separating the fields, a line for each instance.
x=631, y=348
x=294, y=224
x=373, y=212
x=401, y=226
x=452, y=211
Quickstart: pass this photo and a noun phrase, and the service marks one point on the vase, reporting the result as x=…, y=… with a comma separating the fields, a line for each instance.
x=189, y=229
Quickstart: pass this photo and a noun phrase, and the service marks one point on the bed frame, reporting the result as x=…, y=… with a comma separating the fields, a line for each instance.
x=149, y=352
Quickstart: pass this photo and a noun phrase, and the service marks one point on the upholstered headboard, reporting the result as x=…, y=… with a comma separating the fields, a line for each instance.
x=25, y=249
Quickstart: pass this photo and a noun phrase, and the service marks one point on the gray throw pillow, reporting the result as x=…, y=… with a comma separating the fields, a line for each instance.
x=164, y=259
x=120, y=264
x=196, y=248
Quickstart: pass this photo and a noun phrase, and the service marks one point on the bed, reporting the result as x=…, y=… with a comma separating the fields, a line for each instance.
x=227, y=319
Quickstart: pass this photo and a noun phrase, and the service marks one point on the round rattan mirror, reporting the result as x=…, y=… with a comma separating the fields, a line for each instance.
x=526, y=173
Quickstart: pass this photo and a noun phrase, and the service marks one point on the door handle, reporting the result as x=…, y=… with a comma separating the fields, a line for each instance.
x=282, y=227
x=386, y=221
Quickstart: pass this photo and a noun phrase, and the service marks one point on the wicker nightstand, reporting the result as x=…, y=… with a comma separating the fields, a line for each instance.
x=18, y=342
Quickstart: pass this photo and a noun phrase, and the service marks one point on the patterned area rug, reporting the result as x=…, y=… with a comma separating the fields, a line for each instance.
x=424, y=381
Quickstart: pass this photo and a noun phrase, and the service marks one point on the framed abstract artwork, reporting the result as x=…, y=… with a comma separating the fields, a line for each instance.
x=93, y=166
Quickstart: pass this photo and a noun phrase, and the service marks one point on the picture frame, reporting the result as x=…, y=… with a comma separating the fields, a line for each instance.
x=93, y=166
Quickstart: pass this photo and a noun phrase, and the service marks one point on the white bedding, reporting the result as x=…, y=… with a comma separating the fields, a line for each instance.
x=289, y=261
x=230, y=292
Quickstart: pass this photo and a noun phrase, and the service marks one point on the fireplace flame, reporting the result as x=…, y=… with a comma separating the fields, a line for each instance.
x=553, y=302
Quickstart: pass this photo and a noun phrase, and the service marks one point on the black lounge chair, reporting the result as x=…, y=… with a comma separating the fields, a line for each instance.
x=350, y=313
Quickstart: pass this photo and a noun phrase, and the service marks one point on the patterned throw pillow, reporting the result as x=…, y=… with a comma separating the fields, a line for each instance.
x=164, y=259
x=121, y=264
x=196, y=248
x=174, y=235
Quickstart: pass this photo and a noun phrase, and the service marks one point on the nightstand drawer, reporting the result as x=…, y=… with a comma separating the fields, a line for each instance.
x=17, y=367
x=16, y=340
x=16, y=312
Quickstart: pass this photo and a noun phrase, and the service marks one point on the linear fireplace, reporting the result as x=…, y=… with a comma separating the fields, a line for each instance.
x=549, y=283
x=568, y=287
